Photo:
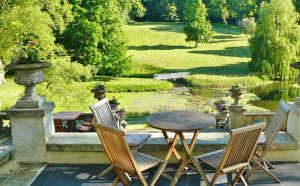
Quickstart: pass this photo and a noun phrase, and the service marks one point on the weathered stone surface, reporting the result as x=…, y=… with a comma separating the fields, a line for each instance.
x=236, y=116
x=30, y=131
x=206, y=141
x=293, y=123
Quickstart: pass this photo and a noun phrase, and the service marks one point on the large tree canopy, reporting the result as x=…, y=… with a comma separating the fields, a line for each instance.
x=276, y=42
x=32, y=21
x=96, y=37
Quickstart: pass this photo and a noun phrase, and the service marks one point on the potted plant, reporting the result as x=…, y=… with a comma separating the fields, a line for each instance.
x=236, y=93
x=122, y=117
x=99, y=91
x=29, y=72
x=114, y=103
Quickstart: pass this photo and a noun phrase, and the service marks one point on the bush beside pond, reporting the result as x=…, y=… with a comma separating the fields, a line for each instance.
x=202, y=81
x=131, y=84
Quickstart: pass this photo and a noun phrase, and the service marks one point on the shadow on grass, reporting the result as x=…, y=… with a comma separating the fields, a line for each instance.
x=224, y=37
x=226, y=29
x=238, y=69
x=169, y=28
x=103, y=78
x=223, y=40
x=158, y=47
x=242, y=51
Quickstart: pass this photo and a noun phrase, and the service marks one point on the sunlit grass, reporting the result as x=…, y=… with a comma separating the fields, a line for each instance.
x=161, y=47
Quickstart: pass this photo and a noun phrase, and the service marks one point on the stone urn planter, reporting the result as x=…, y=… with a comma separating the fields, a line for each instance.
x=30, y=75
x=99, y=91
x=99, y=94
x=237, y=96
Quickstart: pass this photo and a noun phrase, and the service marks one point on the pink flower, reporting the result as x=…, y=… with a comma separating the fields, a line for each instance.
x=121, y=116
x=32, y=43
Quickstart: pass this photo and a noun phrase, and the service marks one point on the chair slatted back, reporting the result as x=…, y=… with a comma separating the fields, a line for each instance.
x=241, y=145
x=103, y=114
x=277, y=122
x=116, y=148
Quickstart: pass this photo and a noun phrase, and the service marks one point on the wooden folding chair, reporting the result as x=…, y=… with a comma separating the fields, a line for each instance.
x=121, y=158
x=278, y=120
x=104, y=116
x=236, y=156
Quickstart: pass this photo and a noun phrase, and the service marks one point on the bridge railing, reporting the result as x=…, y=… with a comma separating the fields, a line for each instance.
x=171, y=75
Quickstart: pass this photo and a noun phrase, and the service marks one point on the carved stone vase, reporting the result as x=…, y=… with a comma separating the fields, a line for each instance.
x=237, y=96
x=30, y=75
x=99, y=94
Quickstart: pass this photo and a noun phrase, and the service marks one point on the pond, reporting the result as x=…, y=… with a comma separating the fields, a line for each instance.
x=268, y=96
x=258, y=99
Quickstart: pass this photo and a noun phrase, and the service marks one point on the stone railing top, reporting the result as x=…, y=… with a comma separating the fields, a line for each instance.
x=206, y=141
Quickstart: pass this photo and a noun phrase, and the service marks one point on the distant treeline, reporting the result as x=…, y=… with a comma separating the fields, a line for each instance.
x=230, y=11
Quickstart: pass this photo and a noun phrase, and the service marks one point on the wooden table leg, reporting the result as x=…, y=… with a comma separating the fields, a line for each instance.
x=172, y=145
x=189, y=156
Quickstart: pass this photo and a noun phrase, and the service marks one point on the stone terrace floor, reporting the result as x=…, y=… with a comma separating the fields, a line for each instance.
x=83, y=175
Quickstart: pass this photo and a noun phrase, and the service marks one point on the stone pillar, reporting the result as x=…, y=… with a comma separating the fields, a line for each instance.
x=236, y=116
x=293, y=123
x=31, y=127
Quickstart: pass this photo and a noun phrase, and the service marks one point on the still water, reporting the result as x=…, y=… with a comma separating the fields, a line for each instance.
x=269, y=95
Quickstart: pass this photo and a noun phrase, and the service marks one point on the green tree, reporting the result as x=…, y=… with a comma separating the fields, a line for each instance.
x=196, y=28
x=240, y=9
x=31, y=21
x=100, y=37
x=248, y=25
x=276, y=42
x=82, y=39
x=216, y=10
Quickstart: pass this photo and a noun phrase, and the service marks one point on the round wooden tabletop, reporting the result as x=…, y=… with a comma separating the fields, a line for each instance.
x=180, y=121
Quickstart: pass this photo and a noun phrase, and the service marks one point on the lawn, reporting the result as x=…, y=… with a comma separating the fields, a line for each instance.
x=161, y=47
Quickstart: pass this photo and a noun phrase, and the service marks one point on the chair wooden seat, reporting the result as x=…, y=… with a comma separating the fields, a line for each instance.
x=122, y=159
x=278, y=120
x=213, y=159
x=145, y=161
x=236, y=156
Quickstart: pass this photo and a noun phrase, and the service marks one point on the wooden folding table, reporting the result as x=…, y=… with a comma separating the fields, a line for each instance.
x=179, y=122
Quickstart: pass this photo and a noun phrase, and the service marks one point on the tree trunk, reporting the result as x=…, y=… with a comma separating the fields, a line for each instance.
x=196, y=44
x=2, y=78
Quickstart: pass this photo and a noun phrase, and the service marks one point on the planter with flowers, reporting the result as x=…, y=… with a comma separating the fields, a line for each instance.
x=29, y=72
x=236, y=93
x=222, y=116
x=122, y=117
x=119, y=114
x=99, y=91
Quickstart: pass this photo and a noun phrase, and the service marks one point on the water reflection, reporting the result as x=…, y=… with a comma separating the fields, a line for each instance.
x=270, y=95
x=210, y=93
